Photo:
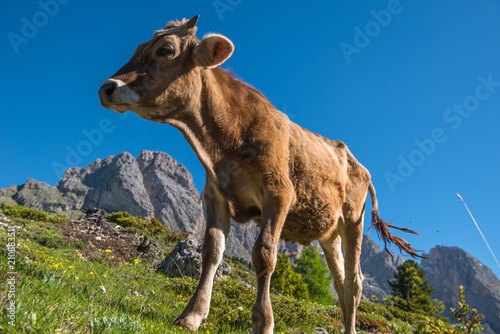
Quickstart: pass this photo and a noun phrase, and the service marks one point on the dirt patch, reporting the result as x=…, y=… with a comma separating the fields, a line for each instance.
x=92, y=241
x=97, y=239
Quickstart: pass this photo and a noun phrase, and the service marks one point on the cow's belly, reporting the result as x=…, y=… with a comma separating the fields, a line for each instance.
x=309, y=220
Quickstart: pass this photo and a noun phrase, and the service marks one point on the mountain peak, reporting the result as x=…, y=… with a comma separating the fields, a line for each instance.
x=449, y=267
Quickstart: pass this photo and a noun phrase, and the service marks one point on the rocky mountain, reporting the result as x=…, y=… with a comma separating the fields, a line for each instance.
x=40, y=196
x=449, y=267
x=378, y=267
x=153, y=185
x=171, y=190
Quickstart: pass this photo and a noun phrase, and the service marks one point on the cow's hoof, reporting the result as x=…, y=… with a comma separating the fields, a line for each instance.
x=190, y=322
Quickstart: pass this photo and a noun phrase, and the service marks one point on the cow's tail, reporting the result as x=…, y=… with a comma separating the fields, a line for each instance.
x=382, y=228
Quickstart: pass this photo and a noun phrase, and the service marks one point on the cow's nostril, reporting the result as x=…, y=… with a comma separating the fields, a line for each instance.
x=109, y=91
x=106, y=90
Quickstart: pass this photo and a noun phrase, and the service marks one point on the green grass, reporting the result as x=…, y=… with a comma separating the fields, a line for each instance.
x=59, y=291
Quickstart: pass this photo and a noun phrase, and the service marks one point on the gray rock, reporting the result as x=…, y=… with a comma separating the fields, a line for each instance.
x=449, y=267
x=6, y=195
x=241, y=239
x=41, y=196
x=117, y=185
x=97, y=217
x=377, y=267
x=171, y=190
x=71, y=182
x=148, y=249
x=185, y=260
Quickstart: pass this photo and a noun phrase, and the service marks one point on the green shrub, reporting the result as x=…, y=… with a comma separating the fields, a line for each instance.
x=412, y=291
x=125, y=219
x=156, y=227
x=132, y=229
x=316, y=275
x=390, y=312
x=136, y=224
x=371, y=323
x=19, y=211
x=435, y=326
x=469, y=318
x=286, y=281
x=56, y=219
x=400, y=328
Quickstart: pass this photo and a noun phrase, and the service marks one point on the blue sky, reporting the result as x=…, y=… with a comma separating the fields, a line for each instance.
x=386, y=77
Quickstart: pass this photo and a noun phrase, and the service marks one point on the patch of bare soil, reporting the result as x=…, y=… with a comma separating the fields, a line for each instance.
x=95, y=237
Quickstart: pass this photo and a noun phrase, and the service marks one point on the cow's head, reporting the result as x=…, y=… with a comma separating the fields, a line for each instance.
x=164, y=76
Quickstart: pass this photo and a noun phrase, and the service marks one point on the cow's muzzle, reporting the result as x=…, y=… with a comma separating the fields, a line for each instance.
x=115, y=94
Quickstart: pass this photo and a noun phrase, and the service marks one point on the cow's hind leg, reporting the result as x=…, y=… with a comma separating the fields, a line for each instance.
x=332, y=247
x=218, y=225
x=352, y=237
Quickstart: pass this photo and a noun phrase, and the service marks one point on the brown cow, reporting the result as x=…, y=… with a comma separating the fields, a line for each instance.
x=297, y=185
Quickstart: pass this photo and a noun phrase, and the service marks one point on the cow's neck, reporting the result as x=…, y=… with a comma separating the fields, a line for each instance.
x=215, y=127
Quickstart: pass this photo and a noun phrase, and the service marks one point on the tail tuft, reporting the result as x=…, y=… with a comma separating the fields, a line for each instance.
x=382, y=228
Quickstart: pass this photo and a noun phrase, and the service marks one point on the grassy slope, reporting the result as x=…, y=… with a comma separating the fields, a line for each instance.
x=59, y=291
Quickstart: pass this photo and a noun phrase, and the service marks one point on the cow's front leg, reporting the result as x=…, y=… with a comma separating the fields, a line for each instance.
x=264, y=260
x=218, y=225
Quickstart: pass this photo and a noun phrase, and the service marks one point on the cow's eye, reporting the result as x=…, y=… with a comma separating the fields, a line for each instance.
x=166, y=51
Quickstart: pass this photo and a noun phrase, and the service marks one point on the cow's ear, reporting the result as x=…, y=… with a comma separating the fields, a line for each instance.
x=212, y=51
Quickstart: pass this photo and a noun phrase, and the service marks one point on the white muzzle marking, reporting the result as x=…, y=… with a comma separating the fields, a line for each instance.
x=123, y=93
